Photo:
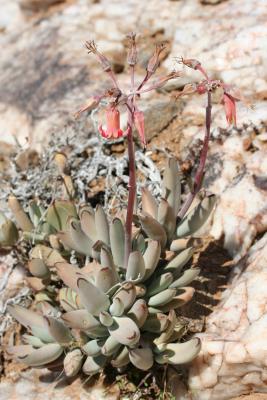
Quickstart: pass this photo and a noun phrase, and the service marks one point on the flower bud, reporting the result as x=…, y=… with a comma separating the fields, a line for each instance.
x=229, y=108
x=139, y=121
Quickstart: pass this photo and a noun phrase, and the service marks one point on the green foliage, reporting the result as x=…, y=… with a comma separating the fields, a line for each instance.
x=106, y=312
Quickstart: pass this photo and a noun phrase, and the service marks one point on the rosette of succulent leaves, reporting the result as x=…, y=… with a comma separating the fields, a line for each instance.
x=90, y=308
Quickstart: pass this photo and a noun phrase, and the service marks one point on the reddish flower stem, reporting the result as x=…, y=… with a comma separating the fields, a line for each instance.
x=202, y=162
x=131, y=186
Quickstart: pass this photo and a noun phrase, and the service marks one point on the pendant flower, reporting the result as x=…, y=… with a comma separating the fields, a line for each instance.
x=139, y=121
x=113, y=130
x=230, y=108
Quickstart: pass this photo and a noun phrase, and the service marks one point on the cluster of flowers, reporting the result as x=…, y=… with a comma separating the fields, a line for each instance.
x=117, y=98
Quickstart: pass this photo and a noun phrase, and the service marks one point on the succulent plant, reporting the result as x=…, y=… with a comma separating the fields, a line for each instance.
x=106, y=311
x=8, y=232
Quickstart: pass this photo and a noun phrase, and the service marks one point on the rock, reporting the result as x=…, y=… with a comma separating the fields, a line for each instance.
x=214, y=2
x=231, y=48
x=238, y=178
x=38, y=5
x=159, y=113
x=10, y=17
x=234, y=346
x=46, y=73
x=39, y=385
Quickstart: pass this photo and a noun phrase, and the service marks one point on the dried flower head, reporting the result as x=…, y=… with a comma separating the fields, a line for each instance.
x=132, y=53
x=153, y=63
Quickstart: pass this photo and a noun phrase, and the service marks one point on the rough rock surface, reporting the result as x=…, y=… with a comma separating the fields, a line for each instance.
x=234, y=351
x=41, y=385
x=46, y=74
x=236, y=172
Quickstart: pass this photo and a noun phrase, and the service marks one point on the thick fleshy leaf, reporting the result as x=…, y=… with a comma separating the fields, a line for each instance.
x=80, y=319
x=83, y=244
x=159, y=284
x=38, y=268
x=125, y=331
x=156, y=323
x=117, y=307
x=187, y=277
x=179, y=300
x=117, y=241
x=179, y=353
x=93, y=348
x=136, y=267
x=59, y=212
x=127, y=294
x=194, y=220
x=111, y=346
x=122, y=358
x=46, y=308
x=102, y=226
x=153, y=229
x=49, y=256
x=59, y=331
x=141, y=358
x=32, y=340
x=68, y=274
x=22, y=219
x=139, y=312
x=166, y=218
x=177, y=263
x=162, y=298
x=34, y=212
x=42, y=355
x=93, y=365
x=179, y=245
x=149, y=203
x=171, y=185
x=106, y=260
x=8, y=232
x=139, y=243
x=69, y=299
x=105, y=279
x=166, y=335
x=19, y=351
x=31, y=320
x=36, y=284
x=87, y=218
x=105, y=318
x=93, y=299
x=151, y=257
x=73, y=362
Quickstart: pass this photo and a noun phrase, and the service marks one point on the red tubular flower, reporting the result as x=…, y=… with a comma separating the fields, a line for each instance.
x=139, y=121
x=113, y=130
x=230, y=108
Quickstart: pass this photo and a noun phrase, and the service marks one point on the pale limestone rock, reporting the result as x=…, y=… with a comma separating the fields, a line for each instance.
x=233, y=359
x=42, y=385
x=228, y=39
x=46, y=73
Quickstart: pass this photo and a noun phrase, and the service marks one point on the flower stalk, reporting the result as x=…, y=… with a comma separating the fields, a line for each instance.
x=116, y=98
x=202, y=162
x=131, y=187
